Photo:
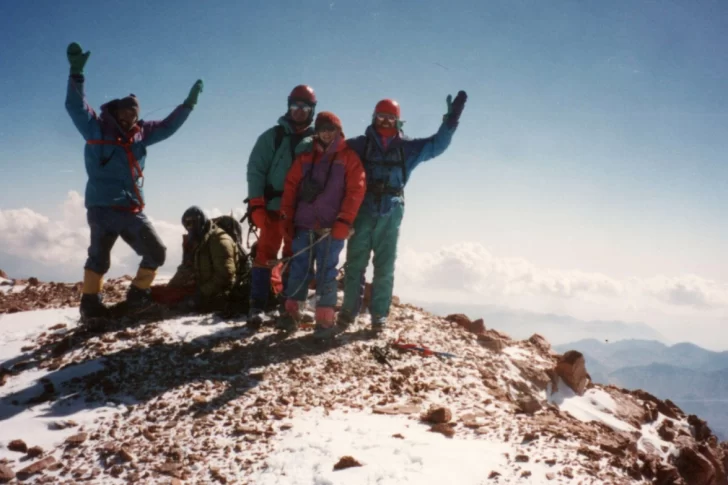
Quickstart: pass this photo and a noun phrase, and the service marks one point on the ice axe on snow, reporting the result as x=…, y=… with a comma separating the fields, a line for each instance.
x=424, y=350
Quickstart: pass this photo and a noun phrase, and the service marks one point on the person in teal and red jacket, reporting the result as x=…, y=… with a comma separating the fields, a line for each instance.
x=269, y=162
x=115, y=153
x=389, y=159
x=324, y=189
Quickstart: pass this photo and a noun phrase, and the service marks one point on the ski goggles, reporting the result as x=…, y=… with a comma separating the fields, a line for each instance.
x=385, y=116
x=300, y=106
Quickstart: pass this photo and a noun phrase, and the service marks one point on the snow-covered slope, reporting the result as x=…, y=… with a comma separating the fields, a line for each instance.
x=198, y=399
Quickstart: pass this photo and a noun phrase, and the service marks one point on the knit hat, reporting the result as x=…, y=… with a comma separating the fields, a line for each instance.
x=327, y=118
x=130, y=102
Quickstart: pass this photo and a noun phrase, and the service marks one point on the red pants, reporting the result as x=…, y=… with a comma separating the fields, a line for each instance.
x=269, y=243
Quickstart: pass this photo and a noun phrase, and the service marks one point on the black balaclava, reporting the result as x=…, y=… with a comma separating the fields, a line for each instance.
x=200, y=223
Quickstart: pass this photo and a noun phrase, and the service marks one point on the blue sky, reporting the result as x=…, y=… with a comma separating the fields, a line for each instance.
x=594, y=137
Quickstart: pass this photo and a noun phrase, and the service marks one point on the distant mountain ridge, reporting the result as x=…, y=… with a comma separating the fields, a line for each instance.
x=557, y=329
x=693, y=377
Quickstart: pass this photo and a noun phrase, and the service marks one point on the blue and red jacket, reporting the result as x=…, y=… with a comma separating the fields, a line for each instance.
x=389, y=162
x=115, y=160
x=339, y=171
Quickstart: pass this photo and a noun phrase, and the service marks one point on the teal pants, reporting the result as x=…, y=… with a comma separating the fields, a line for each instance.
x=378, y=234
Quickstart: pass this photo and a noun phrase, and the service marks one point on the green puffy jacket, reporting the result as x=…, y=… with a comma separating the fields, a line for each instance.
x=268, y=166
x=215, y=263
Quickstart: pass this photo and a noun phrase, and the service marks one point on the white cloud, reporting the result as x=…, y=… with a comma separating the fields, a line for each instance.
x=471, y=268
x=62, y=244
x=59, y=246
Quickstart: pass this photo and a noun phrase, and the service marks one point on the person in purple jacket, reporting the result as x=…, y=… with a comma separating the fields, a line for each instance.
x=115, y=151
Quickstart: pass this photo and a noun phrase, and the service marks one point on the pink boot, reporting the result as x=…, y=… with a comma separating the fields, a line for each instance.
x=325, y=323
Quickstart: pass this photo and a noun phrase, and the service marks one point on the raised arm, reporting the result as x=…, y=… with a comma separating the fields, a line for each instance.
x=156, y=131
x=82, y=115
x=423, y=149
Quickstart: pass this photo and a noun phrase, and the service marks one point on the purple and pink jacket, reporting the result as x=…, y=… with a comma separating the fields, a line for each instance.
x=339, y=170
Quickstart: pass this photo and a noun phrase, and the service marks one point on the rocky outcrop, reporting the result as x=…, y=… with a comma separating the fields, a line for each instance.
x=571, y=367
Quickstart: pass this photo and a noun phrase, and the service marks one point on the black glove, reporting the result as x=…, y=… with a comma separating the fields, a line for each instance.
x=455, y=109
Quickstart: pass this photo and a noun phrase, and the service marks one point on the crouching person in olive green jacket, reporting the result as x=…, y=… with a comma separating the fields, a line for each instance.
x=215, y=261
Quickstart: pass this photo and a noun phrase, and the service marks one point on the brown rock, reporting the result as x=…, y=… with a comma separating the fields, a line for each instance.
x=540, y=343
x=567, y=472
x=438, y=415
x=346, y=462
x=529, y=405
x=667, y=475
x=18, y=445
x=572, y=370
x=6, y=473
x=522, y=458
x=36, y=467
x=398, y=436
x=397, y=409
x=76, y=439
x=694, y=468
x=126, y=455
x=478, y=326
x=33, y=281
x=3, y=274
x=666, y=431
x=491, y=343
x=460, y=319
x=493, y=474
x=701, y=431
x=171, y=469
x=35, y=452
x=443, y=428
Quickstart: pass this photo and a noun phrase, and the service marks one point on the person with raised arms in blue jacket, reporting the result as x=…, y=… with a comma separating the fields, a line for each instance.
x=389, y=159
x=115, y=152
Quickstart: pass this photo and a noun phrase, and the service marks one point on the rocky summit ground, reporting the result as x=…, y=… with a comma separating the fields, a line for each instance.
x=200, y=400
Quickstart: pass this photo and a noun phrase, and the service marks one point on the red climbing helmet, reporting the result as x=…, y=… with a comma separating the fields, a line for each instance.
x=388, y=106
x=303, y=93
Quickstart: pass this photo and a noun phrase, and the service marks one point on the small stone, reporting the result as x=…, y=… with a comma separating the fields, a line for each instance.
x=18, y=445
x=438, y=415
x=76, y=439
x=126, y=455
x=493, y=474
x=443, y=428
x=6, y=474
x=35, y=452
x=346, y=462
x=36, y=467
x=398, y=436
x=522, y=458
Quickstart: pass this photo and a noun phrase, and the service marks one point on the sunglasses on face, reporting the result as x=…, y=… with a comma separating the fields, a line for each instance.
x=300, y=106
x=386, y=116
x=189, y=223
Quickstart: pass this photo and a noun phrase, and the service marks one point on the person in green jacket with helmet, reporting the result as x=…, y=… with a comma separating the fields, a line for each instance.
x=269, y=162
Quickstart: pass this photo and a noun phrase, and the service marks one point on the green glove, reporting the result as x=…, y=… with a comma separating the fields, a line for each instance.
x=191, y=100
x=77, y=58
